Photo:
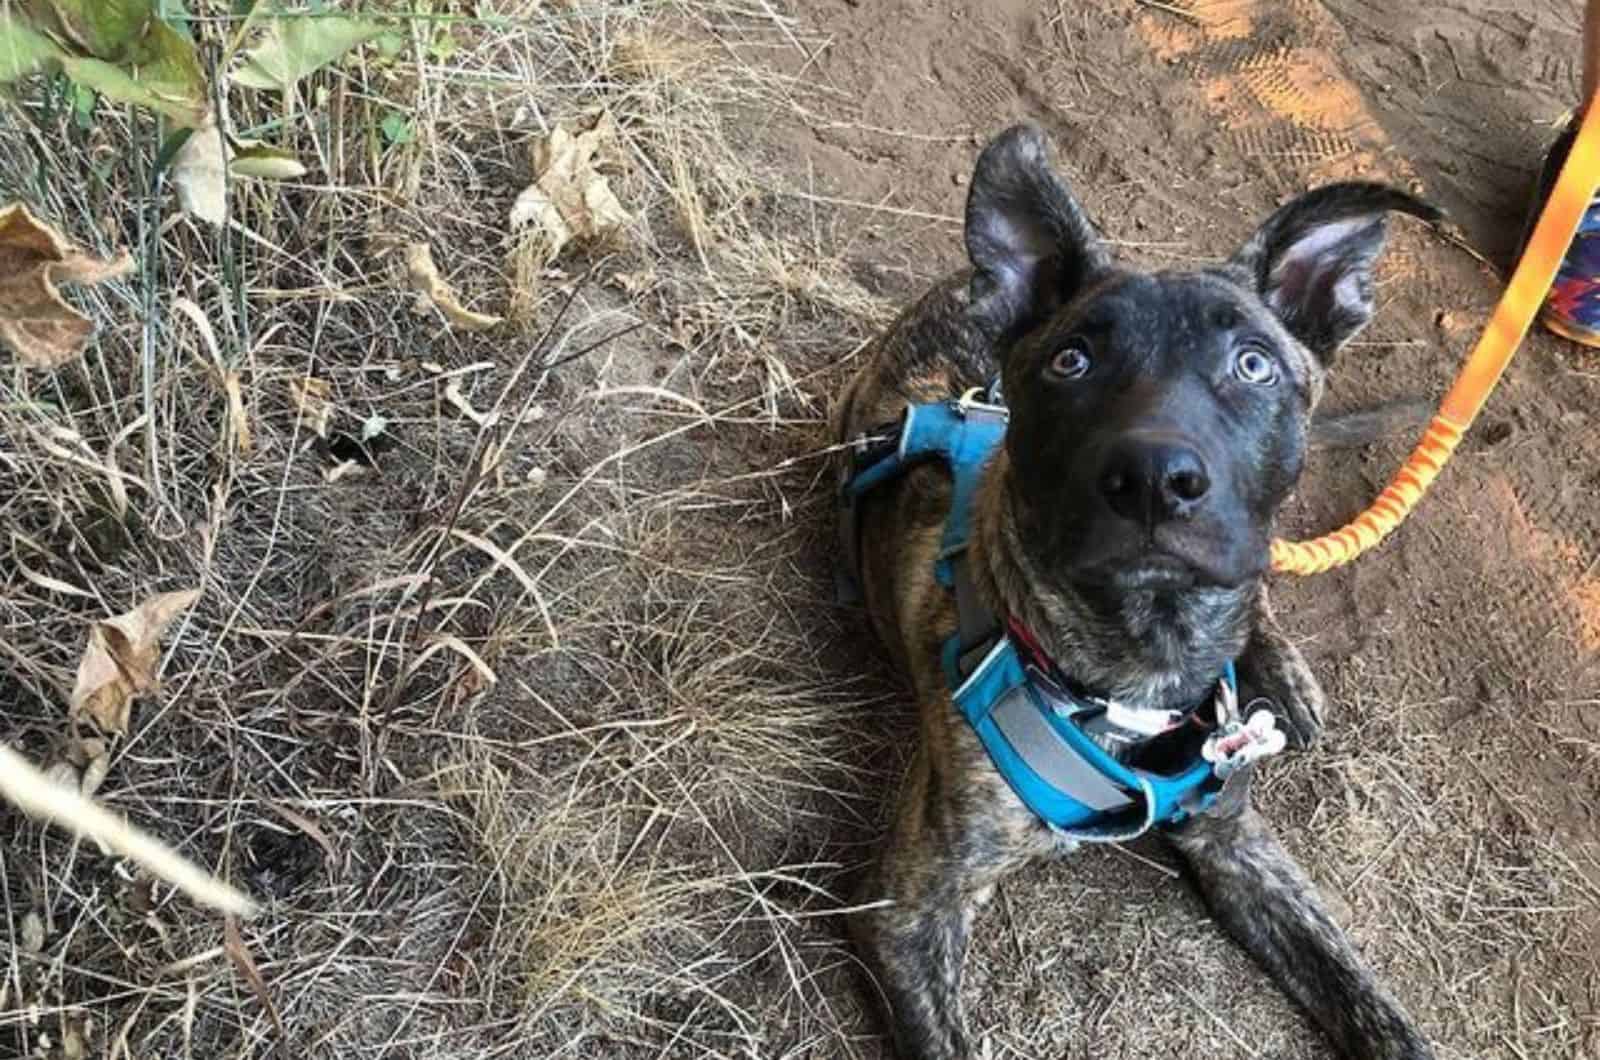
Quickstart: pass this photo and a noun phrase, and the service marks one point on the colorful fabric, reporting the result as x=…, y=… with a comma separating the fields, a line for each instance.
x=1572, y=308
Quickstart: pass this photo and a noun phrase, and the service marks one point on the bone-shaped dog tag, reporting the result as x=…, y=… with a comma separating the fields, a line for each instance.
x=1237, y=744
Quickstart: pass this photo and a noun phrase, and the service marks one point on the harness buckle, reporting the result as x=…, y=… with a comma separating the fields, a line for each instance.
x=864, y=444
x=1062, y=703
x=981, y=401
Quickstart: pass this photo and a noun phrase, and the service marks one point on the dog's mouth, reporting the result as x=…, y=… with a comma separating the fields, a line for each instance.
x=1166, y=559
x=1154, y=571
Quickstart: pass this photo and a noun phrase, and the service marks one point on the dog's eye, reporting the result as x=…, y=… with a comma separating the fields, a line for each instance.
x=1255, y=366
x=1071, y=362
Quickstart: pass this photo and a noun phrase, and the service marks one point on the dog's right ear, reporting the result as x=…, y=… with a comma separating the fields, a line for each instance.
x=1030, y=243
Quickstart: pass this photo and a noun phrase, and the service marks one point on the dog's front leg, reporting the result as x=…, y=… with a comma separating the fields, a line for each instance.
x=951, y=842
x=1266, y=902
x=1272, y=667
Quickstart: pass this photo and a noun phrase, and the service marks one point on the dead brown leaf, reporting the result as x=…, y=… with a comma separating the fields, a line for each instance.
x=313, y=397
x=226, y=378
x=342, y=470
x=570, y=198
x=634, y=283
x=199, y=174
x=32, y=932
x=243, y=440
x=458, y=401
x=41, y=329
x=94, y=775
x=120, y=661
x=424, y=277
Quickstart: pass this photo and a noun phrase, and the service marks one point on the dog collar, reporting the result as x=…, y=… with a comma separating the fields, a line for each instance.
x=1113, y=723
x=1043, y=737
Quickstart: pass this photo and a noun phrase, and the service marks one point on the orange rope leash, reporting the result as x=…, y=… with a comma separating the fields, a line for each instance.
x=1558, y=222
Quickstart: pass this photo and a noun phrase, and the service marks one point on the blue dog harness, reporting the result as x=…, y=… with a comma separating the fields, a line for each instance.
x=1039, y=732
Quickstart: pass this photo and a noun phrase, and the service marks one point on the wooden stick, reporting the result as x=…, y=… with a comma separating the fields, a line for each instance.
x=38, y=796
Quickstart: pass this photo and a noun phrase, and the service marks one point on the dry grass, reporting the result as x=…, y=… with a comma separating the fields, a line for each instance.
x=530, y=746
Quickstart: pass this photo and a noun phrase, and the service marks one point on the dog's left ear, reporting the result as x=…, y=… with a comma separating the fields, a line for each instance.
x=1312, y=261
x=1032, y=247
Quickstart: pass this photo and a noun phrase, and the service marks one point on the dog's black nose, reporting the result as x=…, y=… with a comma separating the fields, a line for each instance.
x=1150, y=481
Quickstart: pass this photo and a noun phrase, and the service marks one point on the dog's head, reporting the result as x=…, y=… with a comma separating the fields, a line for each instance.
x=1158, y=420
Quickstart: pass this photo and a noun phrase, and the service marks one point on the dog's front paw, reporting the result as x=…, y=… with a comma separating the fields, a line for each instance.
x=1273, y=669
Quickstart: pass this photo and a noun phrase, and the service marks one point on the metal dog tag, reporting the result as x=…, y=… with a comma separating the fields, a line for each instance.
x=1237, y=744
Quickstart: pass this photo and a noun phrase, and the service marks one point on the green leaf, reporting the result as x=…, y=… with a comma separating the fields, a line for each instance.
x=444, y=46
x=170, y=148
x=128, y=35
x=23, y=50
x=180, y=17
x=293, y=47
x=114, y=47
x=105, y=29
x=397, y=129
x=111, y=82
x=391, y=43
x=255, y=159
x=125, y=32
x=83, y=101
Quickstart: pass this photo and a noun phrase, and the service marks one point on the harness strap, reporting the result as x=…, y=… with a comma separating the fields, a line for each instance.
x=982, y=425
x=1030, y=736
x=874, y=451
x=1039, y=763
x=962, y=433
x=976, y=627
x=1075, y=787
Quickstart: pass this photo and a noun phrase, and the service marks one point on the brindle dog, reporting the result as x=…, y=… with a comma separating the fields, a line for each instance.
x=1157, y=422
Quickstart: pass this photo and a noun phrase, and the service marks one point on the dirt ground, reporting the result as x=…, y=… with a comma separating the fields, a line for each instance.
x=1463, y=654
x=634, y=839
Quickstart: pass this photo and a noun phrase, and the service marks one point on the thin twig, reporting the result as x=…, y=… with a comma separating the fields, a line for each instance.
x=569, y=358
x=1187, y=16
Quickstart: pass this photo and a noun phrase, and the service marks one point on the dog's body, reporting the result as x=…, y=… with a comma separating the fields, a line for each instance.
x=1156, y=423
